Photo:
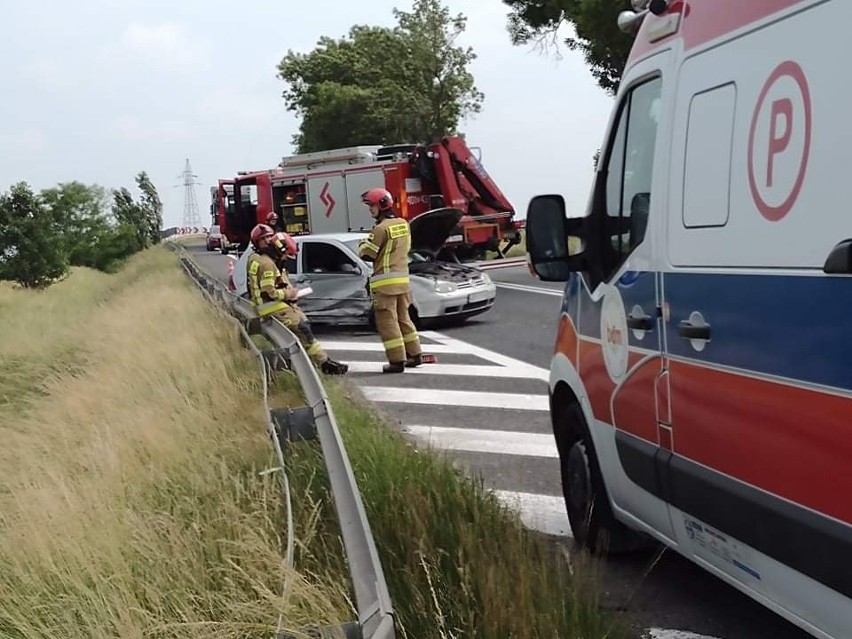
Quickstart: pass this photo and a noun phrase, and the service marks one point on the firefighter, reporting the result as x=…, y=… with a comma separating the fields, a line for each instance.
x=272, y=294
x=387, y=247
x=272, y=219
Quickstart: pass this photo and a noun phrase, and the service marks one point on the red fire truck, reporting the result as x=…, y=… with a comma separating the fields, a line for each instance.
x=321, y=193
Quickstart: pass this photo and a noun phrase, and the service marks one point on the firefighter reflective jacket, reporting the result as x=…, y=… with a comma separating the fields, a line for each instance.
x=263, y=275
x=387, y=247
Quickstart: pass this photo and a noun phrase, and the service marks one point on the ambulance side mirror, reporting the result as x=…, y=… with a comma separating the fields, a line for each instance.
x=555, y=243
x=839, y=260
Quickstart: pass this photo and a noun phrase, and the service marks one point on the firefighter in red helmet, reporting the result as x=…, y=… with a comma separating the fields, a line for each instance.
x=272, y=219
x=273, y=295
x=387, y=247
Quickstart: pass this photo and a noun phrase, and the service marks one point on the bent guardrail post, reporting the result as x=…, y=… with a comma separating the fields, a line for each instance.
x=372, y=598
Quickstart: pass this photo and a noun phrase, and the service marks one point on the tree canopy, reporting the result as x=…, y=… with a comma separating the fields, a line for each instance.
x=73, y=224
x=382, y=85
x=604, y=46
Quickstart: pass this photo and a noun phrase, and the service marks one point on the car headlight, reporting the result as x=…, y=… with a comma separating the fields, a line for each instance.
x=445, y=287
x=485, y=278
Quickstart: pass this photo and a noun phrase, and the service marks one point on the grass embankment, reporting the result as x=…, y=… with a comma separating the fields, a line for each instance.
x=131, y=502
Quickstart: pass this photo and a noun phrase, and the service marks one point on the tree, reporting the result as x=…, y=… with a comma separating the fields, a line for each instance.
x=381, y=85
x=152, y=206
x=32, y=252
x=81, y=213
x=132, y=215
x=604, y=46
x=91, y=235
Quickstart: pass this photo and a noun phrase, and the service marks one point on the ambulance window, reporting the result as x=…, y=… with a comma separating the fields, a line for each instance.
x=629, y=172
x=707, y=162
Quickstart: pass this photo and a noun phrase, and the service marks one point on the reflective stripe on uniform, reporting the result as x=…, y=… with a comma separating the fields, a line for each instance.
x=271, y=307
x=387, y=276
x=397, y=230
x=369, y=246
x=268, y=278
x=388, y=281
x=393, y=343
x=386, y=257
x=411, y=337
x=314, y=349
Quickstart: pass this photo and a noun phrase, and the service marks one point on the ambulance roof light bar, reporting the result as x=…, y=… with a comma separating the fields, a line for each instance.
x=630, y=21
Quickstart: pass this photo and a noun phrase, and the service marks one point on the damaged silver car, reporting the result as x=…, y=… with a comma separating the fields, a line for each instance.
x=330, y=265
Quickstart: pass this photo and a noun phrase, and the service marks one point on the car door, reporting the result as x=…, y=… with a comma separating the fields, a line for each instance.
x=339, y=284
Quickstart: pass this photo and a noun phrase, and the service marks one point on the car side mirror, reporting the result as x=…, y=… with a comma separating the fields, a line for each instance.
x=555, y=243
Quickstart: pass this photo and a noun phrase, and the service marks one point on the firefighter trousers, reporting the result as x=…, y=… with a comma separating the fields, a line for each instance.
x=399, y=336
x=296, y=320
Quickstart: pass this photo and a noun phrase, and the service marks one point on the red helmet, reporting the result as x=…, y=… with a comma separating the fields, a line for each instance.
x=260, y=232
x=377, y=197
x=286, y=244
x=272, y=218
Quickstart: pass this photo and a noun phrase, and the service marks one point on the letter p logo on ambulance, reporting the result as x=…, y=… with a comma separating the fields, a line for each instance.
x=614, y=337
x=779, y=141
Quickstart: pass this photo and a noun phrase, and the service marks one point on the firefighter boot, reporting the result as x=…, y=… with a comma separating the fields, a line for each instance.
x=414, y=361
x=394, y=367
x=330, y=367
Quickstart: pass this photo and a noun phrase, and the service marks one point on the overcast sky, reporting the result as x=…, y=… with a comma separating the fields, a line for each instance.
x=97, y=90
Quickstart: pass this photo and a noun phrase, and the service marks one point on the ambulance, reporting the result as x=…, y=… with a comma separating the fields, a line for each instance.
x=701, y=385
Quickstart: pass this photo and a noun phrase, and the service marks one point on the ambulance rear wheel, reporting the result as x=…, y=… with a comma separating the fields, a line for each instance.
x=592, y=521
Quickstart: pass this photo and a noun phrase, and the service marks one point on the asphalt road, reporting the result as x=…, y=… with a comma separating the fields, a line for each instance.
x=511, y=447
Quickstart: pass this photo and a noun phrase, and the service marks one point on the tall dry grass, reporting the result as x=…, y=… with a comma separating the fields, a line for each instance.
x=131, y=499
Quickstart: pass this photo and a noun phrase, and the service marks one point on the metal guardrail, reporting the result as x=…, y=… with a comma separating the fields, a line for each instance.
x=372, y=598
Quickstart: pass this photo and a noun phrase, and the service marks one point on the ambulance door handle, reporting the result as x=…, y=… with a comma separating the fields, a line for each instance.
x=691, y=331
x=640, y=322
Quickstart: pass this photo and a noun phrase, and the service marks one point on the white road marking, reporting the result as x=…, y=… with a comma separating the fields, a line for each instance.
x=544, y=513
x=376, y=347
x=459, y=346
x=464, y=370
x=662, y=633
x=529, y=289
x=476, y=440
x=476, y=399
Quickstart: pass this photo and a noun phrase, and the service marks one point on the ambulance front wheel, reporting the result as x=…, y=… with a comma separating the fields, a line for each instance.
x=592, y=521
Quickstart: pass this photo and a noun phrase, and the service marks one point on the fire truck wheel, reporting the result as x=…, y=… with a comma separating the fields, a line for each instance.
x=592, y=522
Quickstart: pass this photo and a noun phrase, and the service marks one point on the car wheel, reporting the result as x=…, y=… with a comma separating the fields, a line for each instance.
x=593, y=523
x=415, y=317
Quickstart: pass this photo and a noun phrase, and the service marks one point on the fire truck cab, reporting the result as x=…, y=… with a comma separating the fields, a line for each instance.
x=701, y=385
x=320, y=192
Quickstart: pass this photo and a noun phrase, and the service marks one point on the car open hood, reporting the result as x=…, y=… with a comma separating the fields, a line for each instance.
x=430, y=230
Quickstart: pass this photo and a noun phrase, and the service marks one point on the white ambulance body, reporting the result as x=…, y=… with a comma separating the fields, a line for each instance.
x=701, y=386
